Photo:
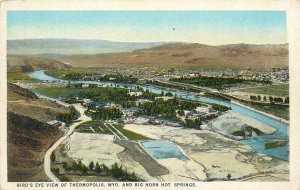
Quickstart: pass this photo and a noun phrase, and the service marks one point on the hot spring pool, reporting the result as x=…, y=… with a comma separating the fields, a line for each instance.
x=161, y=149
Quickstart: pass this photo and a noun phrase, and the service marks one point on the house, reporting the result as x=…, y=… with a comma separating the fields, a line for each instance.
x=134, y=93
x=204, y=109
x=54, y=123
x=164, y=98
x=85, y=85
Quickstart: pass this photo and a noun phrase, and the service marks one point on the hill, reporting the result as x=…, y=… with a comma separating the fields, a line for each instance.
x=24, y=102
x=25, y=63
x=28, y=140
x=29, y=136
x=186, y=55
x=72, y=46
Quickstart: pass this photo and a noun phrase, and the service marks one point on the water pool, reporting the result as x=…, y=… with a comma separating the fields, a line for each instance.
x=161, y=149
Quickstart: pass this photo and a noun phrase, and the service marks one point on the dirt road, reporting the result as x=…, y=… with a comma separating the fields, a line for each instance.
x=47, y=161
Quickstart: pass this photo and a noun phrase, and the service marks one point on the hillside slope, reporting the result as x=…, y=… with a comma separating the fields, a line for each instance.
x=28, y=140
x=189, y=56
x=24, y=102
x=72, y=46
x=24, y=63
x=29, y=136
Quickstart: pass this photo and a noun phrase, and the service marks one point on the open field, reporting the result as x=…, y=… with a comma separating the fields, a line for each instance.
x=275, y=109
x=109, y=128
x=130, y=134
x=11, y=76
x=274, y=90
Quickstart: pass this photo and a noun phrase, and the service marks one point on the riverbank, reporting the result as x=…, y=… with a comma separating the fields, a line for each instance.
x=261, y=112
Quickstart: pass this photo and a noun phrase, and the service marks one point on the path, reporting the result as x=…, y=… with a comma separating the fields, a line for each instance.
x=47, y=161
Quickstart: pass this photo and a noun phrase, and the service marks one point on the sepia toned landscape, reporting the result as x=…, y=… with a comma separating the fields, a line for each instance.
x=172, y=109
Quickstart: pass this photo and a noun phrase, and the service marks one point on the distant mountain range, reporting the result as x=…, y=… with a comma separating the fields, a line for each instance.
x=73, y=46
x=26, y=55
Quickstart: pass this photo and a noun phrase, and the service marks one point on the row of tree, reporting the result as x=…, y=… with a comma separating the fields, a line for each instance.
x=270, y=98
x=103, y=113
x=166, y=109
x=116, y=171
x=119, y=78
x=67, y=117
x=215, y=82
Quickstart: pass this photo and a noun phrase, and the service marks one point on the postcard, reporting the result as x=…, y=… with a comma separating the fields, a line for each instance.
x=150, y=95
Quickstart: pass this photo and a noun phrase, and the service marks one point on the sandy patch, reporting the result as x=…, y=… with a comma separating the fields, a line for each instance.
x=182, y=170
x=220, y=164
x=232, y=121
x=174, y=134
x=94, y=147
x=215, y=153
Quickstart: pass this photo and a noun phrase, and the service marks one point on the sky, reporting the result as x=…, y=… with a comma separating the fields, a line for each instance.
x=206, y=27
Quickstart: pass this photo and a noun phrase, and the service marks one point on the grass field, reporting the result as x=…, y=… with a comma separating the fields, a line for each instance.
x=98, y=127
x=278, y=90
x=57, y=91
x=277, y=110
x=11, y=76
x=129, y=134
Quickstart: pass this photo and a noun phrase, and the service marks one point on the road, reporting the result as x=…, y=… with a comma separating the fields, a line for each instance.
x=47, y=161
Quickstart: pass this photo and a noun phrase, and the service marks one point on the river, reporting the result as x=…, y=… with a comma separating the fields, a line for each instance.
x=257, y=143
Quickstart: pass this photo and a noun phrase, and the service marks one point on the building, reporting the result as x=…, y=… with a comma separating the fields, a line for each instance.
x=164, y=98
x=134, y=93
x=204, y=109
x=85, y=85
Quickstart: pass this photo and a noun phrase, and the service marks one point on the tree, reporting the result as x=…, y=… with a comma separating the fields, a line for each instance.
x=265, y=98
x=258, y=97
x=169, y=94
x=52, y=157
x=228, y=176
x=97, y=168
x=286, y=100
x=271, y=98
x=91, y=166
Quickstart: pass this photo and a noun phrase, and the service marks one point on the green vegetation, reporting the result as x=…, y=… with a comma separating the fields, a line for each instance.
x=67, y=117
x=270, y=98
x=189, y=123
x=216, y=82
x=59, y=73
x=257, y=131
x=63, y=178
x=52, y=157
x=166, y=109
x=275, y=144
x=274, y=90
x=130, y=134
x=239, y=133
x=97, y=126
x=174, y=86
x=220, y=108
x=250, y=129
x=103, y=113
x=115, y=171
x=55, y=170
x=92, y=75
x=11, y=76
x=279, y=110
x=216, y=96
x=100, y=94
